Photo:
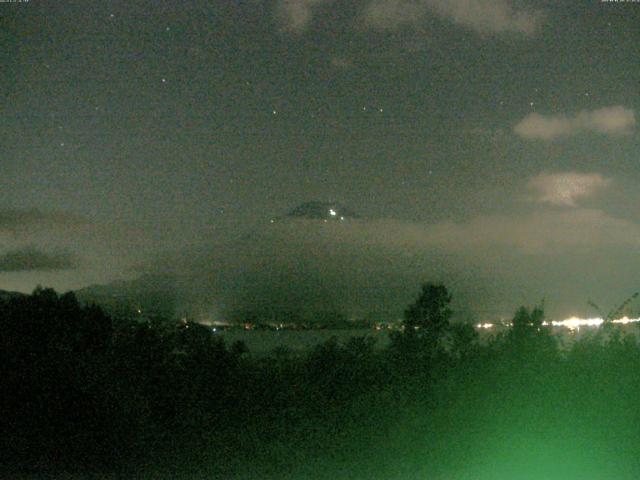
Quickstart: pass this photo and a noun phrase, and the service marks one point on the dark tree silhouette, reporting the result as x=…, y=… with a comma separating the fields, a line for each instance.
x=426, y=322
x=529, y=339
x=464, y=339
x=528, y=322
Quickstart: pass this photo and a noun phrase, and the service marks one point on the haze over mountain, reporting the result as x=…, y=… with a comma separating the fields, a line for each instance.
x=310, y=263
x=315, y=261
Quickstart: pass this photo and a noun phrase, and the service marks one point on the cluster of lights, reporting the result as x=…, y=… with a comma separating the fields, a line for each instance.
x=484, y=326
x=572, y=323
x=333, y=213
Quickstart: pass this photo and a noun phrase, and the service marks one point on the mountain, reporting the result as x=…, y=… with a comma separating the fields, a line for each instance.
x=148, y=295
x=316, y=210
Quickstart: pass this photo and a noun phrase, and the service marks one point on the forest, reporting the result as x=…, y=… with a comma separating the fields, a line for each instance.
x=85, y=395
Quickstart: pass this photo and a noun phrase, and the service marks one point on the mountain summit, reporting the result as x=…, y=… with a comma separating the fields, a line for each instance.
x=322, y=211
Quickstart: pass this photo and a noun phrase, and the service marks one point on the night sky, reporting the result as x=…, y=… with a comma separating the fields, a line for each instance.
x=489, y=144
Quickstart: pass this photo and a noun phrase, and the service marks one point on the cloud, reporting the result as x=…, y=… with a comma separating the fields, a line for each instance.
x=19, y=219
x=296, y=15
x=483, y=16
x=394, y=14
x=33, y=245
x=615, y=120
x=548, y=232
x=564, y=189
x=609, y=120
x=32, y=259
x=545, y=232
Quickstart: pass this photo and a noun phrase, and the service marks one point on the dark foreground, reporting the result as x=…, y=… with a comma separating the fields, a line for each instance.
x=85, y=396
